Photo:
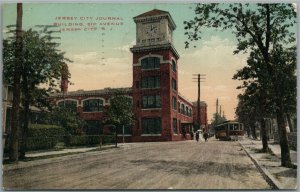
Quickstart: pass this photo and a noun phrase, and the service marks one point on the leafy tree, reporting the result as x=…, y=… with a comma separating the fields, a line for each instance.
x=257, y=97
x=120, y=112
x=254, y=107
x=217, y=119
x=66, y=118
x=259, y=88
x=246, y=113
x=262, y=27
x=41, y=71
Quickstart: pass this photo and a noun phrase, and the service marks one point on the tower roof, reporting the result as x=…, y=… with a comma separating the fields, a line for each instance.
x=152, y=13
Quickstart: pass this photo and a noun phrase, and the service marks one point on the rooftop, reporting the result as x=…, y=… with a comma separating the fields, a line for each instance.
x=107, y=90
x=202, y=103
x=152, y=13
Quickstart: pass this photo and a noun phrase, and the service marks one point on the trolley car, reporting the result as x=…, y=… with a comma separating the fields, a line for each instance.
x=229, y=130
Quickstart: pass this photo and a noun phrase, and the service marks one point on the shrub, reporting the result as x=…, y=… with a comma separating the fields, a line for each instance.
x=35, y=143
x=44, y=136
x=40, y=130
x=87, y=140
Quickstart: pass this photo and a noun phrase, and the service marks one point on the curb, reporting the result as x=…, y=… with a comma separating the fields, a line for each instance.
x=265, y=173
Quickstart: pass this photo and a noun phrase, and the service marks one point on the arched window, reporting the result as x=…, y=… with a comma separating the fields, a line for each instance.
x=69, y=104
x=182, y=108
x=173, y=65
x=150, y=63
x=92, y=105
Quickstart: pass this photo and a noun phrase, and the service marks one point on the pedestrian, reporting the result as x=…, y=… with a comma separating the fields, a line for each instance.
x=205, y=136
x=197, y=136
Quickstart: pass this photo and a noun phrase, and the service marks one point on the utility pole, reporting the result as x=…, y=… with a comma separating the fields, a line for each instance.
x=197, y=79
x=15, y=116
x=217, y=106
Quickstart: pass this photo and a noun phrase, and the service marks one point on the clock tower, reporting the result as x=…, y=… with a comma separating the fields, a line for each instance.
x=155, y=85
x=153, y=28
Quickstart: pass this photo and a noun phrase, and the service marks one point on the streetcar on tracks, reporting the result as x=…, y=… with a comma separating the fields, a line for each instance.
x=229, y=130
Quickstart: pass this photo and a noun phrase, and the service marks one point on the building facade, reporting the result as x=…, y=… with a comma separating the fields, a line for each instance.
x=161, y=112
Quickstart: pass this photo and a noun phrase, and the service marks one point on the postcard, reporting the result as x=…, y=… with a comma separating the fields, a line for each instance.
x=167, y=96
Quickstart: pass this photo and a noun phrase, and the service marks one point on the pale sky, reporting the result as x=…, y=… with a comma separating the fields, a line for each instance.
x=105, y=60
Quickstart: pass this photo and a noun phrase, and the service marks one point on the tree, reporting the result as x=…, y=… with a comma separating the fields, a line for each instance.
x=217, y=119
x=16, y=68
x=120, y=112
x=247, y=114
x=41, y=71
x=258, y=93
x=262, y=27
x=67, y=118
x=254, y=107
x=259, y=88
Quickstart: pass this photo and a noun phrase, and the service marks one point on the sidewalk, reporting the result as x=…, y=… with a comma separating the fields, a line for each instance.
x=270, y=164
x=46, y=157
x=63, y=151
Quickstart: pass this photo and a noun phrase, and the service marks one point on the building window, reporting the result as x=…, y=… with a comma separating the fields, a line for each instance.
x=150, y=63
x=175, y=126
x=127, y=129
x=178, y=105
x=174, y=103
x=174, y=84
x=182, y=108
x=191, y=113
x=151, y=101
x=69, y=104
x=93, y=128
x=151, y=82
x=151, y=125
x=186, y=110
x=92, y=105
x=173, y=65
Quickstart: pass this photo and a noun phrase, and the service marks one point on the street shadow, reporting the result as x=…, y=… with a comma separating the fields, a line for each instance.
x=233, y=171
x=287, y=173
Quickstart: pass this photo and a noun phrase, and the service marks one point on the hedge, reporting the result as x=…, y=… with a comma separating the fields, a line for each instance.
x=44, y=136
x=40, y=130
x=74, y=140
x=48, y=136
x=41, y=136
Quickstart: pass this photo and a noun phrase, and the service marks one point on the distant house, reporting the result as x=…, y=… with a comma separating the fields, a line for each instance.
x=7, y=97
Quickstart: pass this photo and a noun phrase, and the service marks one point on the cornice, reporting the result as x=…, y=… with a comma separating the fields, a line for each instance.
x=139, y=49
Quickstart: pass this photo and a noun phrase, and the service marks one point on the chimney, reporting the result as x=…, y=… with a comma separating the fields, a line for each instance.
x=64, y=78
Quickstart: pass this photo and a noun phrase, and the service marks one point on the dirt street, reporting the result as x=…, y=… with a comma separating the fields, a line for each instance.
x=163, y=165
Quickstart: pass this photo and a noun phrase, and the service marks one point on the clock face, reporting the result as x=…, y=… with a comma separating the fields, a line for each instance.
x=151, y=30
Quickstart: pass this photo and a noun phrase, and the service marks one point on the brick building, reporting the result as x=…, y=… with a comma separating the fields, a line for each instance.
x=202, y=116
x=161, y=112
